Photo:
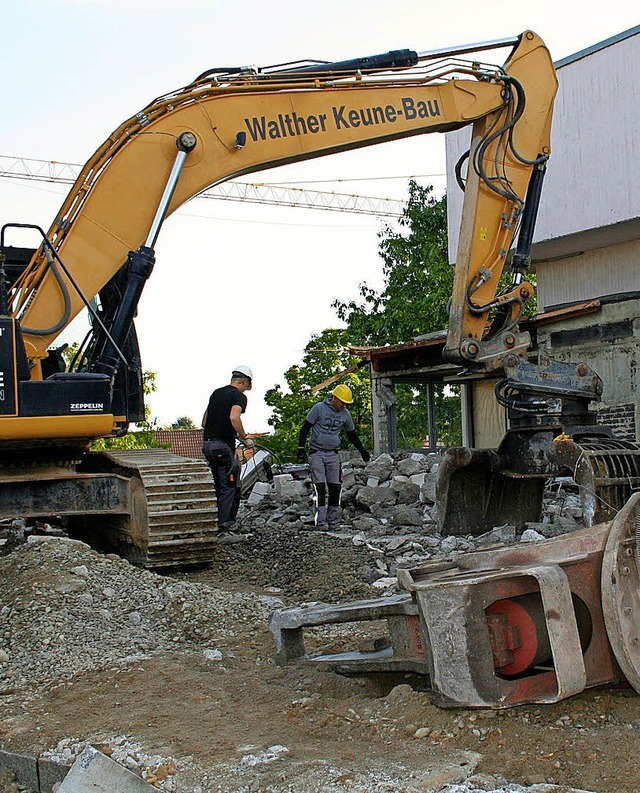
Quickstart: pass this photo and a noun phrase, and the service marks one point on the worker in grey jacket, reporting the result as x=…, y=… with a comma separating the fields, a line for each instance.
x=325, y=421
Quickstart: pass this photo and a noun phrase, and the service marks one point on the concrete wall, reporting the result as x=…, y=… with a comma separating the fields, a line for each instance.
x=612, y=270
x=611, y=346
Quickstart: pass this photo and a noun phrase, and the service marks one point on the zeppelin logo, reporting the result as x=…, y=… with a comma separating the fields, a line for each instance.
x=82, y=406
x=287, y=125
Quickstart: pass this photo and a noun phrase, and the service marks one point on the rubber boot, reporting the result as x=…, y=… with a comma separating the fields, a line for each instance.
x=321, y=518
x=333, y=515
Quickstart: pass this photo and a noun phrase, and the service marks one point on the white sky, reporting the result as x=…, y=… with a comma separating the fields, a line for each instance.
x=237, y=283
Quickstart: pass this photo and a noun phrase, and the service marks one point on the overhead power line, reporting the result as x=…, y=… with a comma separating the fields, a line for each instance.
x=259, y=193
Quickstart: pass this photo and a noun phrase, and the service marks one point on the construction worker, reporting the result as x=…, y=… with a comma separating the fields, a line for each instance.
x=325, y=421
x=222, y=424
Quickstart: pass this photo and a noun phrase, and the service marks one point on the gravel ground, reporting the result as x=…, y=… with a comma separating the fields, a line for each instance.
x=173, y=676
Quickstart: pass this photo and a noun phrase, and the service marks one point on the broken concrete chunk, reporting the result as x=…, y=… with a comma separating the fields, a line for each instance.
x=294, y=489
x=381, y=467
x=428, y=489
x=368, y=496
x=98, y=773
x=410, y=466
x=530, y=535
x=409, y=494
x=259, y=491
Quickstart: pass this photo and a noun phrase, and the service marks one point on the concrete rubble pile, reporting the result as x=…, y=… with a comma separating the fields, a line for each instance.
x=66, y=609
x=388, y=507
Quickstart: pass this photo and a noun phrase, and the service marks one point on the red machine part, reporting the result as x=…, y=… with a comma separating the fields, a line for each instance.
x=518, y=635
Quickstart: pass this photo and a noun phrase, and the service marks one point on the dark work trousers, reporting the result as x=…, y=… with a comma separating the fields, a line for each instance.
x=326, y=475
x=225, y=468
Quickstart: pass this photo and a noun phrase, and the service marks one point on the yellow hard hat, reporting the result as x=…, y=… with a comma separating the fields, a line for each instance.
x=343, y=393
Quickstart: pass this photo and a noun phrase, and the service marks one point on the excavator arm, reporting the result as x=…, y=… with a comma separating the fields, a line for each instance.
x=233, y=122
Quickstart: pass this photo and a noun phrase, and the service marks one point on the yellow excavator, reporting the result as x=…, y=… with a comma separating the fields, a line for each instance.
x=99, y=252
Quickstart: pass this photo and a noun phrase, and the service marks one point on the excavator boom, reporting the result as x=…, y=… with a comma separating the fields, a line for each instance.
x=248, y=122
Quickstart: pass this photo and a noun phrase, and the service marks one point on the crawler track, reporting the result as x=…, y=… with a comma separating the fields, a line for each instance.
x=173, y=517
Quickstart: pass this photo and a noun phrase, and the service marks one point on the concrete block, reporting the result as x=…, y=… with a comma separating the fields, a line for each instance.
x=23, y=766
x=51, y=773
x=293, y=489
x=95, y=772
x=260, y=490
x=348, y=479
x=279, y=480
x=428, y=488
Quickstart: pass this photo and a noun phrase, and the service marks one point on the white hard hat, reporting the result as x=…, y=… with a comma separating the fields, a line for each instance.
x=243, y=370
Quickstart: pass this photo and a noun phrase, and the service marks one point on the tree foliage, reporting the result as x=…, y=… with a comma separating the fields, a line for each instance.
x=183, y=423
x=417, y=281
x=418, y=278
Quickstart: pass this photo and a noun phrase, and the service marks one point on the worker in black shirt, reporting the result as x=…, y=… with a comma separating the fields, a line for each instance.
x=222, y=424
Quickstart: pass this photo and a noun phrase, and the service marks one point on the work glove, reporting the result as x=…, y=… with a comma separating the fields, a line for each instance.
x=301, y=454
x=248, y=443
x=365, y=455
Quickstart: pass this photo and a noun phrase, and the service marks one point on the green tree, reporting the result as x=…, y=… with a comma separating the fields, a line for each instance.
x=183, y=423
x=417, y=286
x=418, y=278
x=143, y=437
x=418, y=281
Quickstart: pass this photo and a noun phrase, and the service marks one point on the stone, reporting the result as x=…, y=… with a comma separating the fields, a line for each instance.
x=428, y=489
x=386, y=582
x=348, y=479
x=259, y=491
x=405, y=515
x=449, y=544
x=293, y=489
x=279, y=480
x=409, y=494
x=24, y=767
x=368, y=496
x=365, y=522
x=69, y=584
x=380, y=467
x=530, y=535
x=409, y=466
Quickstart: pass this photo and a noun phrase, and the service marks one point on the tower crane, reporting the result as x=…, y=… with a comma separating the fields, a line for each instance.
x=257, y=193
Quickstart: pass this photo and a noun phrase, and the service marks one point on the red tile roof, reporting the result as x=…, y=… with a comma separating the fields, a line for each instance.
x=186, y=443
